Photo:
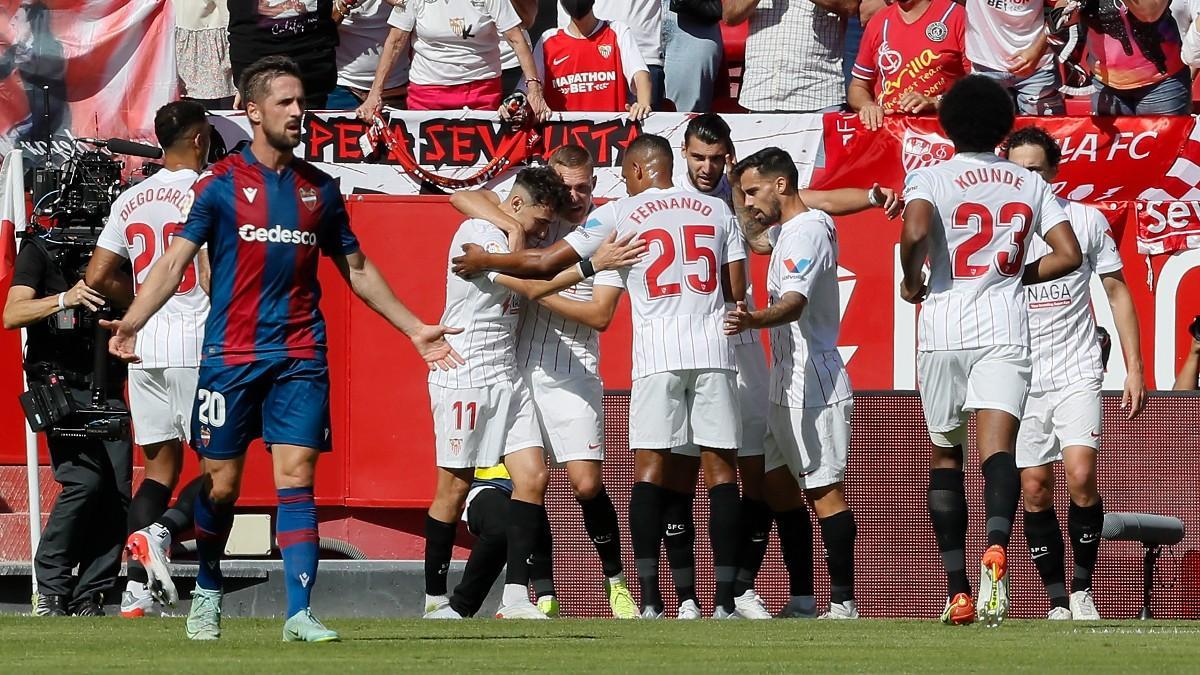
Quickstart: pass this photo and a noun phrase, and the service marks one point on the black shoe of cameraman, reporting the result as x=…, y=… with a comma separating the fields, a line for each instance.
x=89, y=605
x=50, y=605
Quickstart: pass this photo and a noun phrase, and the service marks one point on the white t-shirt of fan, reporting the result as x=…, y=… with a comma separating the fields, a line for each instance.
x=986, y=209
x=675, y=290
x=141, y=223
x=807, y=370
x=486, y=311
x=554, y=343
x=454, y=41
x=998, y=29
x=1062, y=330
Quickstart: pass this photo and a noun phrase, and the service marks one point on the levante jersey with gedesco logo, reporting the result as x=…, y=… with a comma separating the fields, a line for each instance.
x=265, y=232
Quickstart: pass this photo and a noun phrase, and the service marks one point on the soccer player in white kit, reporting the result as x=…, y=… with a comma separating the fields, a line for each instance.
x=162, y=386
x=684, y=378
x=972, y=218
x=558, y=352
x=708, y=157
x=1063, y=413
x=483, y=413
x=808, y=437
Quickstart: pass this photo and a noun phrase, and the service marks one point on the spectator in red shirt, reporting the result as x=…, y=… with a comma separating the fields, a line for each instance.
x=911, y=52
x=590, y=65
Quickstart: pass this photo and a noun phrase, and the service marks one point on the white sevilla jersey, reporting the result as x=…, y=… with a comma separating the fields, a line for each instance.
x=725, y=193
x=1062, y=331
x=988, y=209
x=140, y=226
x=556, y=344
x=806, y=369
x=486, y=311
x=675, y=290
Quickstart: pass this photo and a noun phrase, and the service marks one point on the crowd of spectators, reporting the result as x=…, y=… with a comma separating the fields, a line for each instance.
x=873, y=57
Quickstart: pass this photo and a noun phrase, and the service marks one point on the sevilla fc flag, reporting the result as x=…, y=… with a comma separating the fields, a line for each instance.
x=12, y=212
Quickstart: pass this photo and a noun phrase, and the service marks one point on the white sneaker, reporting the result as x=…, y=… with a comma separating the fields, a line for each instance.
x=749, y=606
x=434, y=603
x=841, y=610
x=688, y=611
x=722, y=613
x=521, y=610
x=136, y=602
x=1059, y=614
x=1083, y=606
x=799, y=608
x=150, y=547
x=443, y=613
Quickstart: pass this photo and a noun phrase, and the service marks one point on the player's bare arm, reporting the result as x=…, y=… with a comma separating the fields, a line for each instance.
x=786, y=310
x=532, y=263
x=613, y=254
x=914, y=249
x=734, y=280
x=367, y=283
x=1188, y=377
x=847, y=201
x=105, y=275
x=160, y=285
x=1134, y=396
x=205, y=271
x=1064, y=258
x=485, y=205
x=596, y=314
x=23, y=307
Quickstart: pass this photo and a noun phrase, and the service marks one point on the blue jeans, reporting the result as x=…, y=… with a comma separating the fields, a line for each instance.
x=1036, y=94
x=692, y=53
x=341, y=99
x=1172, y=96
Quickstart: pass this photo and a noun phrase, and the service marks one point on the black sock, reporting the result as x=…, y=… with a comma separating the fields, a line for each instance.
x=1001, y=494
x=679, y=530
x=150, y=501
x=600, y=521
x=838, y=532
x=1046, y=547
x=525, y=531
x=755, y=535
x=948, y=513
x=1084, y=524
x=541, y=563
x=179, y=518
x=645, y=529
x=724, y=505
x=796, y=545
x=439, y=549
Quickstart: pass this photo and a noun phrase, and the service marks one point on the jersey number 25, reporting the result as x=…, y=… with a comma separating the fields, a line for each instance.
x=703, y=282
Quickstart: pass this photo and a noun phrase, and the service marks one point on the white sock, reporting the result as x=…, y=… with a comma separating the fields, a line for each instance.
x=514, y=594
x=619, y=579
x=545, y=598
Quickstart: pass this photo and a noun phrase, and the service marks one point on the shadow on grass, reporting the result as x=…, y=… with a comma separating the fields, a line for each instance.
x=471, y=638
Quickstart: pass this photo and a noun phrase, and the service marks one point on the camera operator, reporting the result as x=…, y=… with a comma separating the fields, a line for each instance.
x=1186, y=380
x=87, y=523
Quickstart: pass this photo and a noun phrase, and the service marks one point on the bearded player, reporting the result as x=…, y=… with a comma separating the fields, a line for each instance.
x=1063, y=414
x=266, y=217
x=972, y=218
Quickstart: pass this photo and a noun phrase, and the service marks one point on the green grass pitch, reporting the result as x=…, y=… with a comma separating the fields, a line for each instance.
x=71, y=645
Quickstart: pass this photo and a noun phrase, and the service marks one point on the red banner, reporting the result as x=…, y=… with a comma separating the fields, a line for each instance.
x=1142, y=172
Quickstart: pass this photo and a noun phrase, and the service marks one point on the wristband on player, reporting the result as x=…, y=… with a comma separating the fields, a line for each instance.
x=586, y=269
x=872, y=199
x=62, y=301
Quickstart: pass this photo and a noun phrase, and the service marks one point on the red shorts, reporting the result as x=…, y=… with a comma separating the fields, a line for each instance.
x=478, y=95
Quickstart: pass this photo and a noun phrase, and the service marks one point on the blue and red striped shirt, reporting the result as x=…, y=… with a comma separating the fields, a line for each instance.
x=265, y=232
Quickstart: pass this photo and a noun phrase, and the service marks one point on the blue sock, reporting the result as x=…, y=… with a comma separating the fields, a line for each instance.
x=296, y=531
x=213, y=522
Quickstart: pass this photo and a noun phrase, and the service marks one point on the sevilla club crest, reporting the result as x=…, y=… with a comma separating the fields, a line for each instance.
x=605, y=50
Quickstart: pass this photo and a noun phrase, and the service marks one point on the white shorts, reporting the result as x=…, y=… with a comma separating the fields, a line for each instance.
x=160, y=403
x=669, y=410
x=478, y=426
x=813, y=443
x=570, y=412
x=753, y=380
x=954, y=383
x=1059, y=419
